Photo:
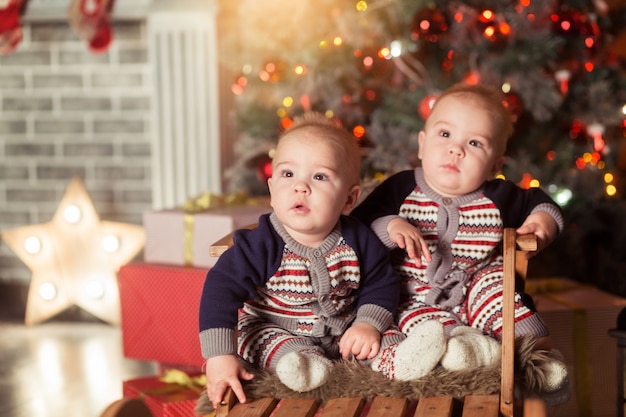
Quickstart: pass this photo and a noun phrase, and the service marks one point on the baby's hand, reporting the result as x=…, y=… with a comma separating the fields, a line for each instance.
x=361, y=340
x=224, y=371
x=407, y=237
x=543, y=226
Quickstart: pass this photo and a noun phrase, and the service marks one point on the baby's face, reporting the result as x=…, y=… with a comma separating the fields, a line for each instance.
x=309, y=186
x=459, y=148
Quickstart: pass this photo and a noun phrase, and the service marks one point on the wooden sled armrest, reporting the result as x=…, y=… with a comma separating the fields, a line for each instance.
x=514, y=253
x=526, y=243
x=228, y=402
x=218, y=248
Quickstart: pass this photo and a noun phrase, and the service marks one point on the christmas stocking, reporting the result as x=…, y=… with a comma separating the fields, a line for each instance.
x=10, y=27
x=90, y=21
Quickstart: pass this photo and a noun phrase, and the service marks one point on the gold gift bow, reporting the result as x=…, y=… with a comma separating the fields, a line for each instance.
x=177, y=381
x=183, y=380
x=203, y=202
x=209, y=200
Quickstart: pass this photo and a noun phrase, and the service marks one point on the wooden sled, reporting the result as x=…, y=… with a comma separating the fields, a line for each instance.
x=504, y=404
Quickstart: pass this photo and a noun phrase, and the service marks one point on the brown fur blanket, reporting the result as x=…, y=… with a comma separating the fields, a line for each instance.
x=349, y=379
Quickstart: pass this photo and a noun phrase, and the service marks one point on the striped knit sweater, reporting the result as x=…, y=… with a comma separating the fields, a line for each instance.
x=462, y=233
x=313, y=292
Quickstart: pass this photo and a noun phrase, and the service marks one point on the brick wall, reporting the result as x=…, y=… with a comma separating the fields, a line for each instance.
x=67, y=112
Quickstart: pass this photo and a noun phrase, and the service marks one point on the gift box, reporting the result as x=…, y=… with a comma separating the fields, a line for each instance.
x=164, y=399
x=159, y=313
x=183, y=236
x=579, y=318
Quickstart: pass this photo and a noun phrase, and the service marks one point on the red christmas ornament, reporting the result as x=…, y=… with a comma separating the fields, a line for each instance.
x=562, y=77
x=369, y=99
x=10, y=26
x=577, y=133
x=426, y=105
x=596, y=131
x=429, y=24
x=568, y=21
x=264, y=168
x=471, y=78
x=590, y=30
x=90, y=21
x=514, y=103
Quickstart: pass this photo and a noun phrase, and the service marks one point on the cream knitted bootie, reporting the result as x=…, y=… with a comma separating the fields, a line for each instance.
x=415, y=356
x=303, y=371
x=468, y=348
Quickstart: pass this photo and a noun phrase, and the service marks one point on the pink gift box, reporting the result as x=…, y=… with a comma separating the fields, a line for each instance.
x=579, y=318
x=176, y=237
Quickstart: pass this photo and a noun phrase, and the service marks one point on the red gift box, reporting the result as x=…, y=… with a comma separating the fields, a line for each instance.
x=163, y=399
x=159, y=313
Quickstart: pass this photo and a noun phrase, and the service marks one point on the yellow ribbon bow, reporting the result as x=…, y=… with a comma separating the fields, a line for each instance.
x=178, y=377
x=211, y=200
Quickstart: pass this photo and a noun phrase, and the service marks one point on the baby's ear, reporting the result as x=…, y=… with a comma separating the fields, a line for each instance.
x=421, y=137
x=352, y=199
x=497, y=165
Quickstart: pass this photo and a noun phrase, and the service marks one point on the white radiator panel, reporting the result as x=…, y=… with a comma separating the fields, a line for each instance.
x=186, y=141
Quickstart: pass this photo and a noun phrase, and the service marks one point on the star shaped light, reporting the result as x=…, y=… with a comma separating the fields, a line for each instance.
x=75, y=258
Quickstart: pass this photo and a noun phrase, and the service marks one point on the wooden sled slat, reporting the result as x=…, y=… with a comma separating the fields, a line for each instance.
x=388, y=407
x=434, y=407
x=262, y=407
x=343, y=407
x=481, y=406
x=296, y=407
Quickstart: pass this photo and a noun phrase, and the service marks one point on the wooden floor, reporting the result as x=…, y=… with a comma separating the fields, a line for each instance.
x=63, y=369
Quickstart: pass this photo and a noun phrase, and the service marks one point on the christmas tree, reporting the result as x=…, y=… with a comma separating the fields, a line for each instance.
x=377, y=66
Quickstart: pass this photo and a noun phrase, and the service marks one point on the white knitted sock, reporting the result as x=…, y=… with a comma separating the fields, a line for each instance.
x=303, y=371
x=420, y=352
x=468, y=348
x=557, y=380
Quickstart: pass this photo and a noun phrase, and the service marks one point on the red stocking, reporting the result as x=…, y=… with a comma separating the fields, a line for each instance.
x=90, y=20
x=10, y=27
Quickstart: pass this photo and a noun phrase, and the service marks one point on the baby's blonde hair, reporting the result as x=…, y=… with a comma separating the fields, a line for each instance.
x=493, y=102
x=342, y=141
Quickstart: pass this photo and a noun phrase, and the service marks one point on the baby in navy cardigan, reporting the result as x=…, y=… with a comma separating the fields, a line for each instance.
x=309, y=285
